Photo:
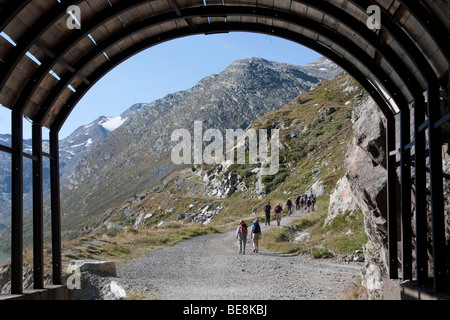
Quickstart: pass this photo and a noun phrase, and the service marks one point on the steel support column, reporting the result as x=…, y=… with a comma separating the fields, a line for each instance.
x=436, y=188
x=392, y=198
x=405, y=178
x=38, y=218
x=420, y=191
x=17, y=204
x=55, y=207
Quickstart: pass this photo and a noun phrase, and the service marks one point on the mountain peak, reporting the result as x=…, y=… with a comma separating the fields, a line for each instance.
x=251, y=60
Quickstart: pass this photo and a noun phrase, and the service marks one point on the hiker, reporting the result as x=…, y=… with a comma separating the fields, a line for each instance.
x=297, y=202
x=308, y=204
x=278, y=209
x=241, y=235
x=289, y=206
x=267, y=208
x=256, y=235
x=301, y=203
x=313, y=202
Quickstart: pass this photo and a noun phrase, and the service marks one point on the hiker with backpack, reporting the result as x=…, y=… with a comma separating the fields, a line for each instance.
x=289, y=206
x=297, y=202
x=277, y=210
x=256, y=235
x=241, y=235
x=267, y=208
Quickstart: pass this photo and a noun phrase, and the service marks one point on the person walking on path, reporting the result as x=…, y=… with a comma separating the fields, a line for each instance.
x=308, y=204
x=256, y=235
x=241, y=235
x=289, y=206
x=267, y=208
x=277, y=210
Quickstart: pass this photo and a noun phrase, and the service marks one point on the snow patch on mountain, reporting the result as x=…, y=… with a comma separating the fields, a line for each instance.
x=113, y=123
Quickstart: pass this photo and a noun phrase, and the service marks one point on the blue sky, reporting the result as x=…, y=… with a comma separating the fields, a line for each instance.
x=167, y=68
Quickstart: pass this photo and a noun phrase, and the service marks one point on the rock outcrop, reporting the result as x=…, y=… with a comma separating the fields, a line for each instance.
x=367, y=177
x=366, y=173
x=222, y=183
x=97, y=280
x=341, y=200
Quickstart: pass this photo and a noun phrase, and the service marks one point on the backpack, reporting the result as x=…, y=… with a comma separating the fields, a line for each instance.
x=244, y=229
x=277, y=209
x=256, y=228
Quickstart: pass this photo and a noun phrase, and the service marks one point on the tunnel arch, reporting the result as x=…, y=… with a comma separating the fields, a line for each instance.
x=398, y=62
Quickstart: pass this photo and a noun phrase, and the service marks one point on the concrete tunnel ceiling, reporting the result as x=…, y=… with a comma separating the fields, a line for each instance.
x=48, y=60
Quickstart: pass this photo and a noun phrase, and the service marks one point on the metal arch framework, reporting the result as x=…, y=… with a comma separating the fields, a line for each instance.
x=406, y=57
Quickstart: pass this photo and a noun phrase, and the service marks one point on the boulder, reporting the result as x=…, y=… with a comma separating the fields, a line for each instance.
x=341, y=201
x=104, y=268
x=95, y=280
x=222, y=183
x=318, y=188
x=325, y=112
x=117, y=291
x=302, y=237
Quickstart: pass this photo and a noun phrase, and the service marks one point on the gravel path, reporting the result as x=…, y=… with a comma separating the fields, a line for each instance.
x=209, y=267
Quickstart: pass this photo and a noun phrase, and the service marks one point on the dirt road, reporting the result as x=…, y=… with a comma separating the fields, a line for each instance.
x=210, y=268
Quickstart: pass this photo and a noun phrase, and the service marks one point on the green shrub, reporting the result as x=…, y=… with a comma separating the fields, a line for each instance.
x=321, y=253
x=271, y=182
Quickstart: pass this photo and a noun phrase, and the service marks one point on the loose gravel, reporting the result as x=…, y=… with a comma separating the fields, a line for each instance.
x=209, y=268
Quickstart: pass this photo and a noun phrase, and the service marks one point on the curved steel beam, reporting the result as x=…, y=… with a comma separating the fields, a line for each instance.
x=431, y=24
x=403, y=39
x=28, y=39
x=283, y=16
x=395, y=31
x=283, y=33
x=49, y=63
x=10, y=11
x=325, y=8
x=116, y=10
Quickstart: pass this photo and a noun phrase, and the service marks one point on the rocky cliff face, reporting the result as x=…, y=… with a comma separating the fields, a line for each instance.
x=367, y=180
x=367, y=177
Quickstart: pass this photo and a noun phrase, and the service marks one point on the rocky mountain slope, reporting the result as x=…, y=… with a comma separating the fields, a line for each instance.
x=136, y=155
x=72, y=149
x=315, y=129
